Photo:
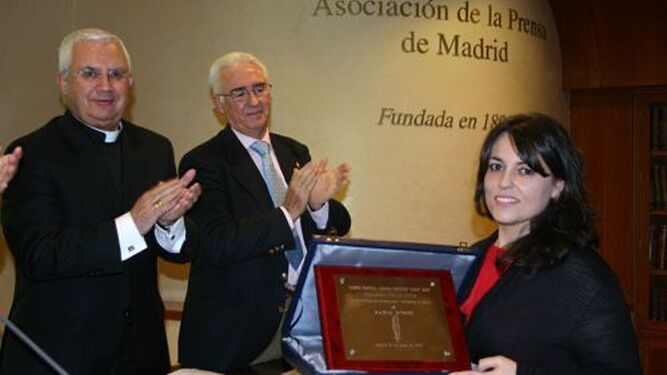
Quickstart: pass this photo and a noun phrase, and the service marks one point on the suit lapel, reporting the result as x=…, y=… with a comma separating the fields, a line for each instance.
x=496, y=300
x=244, y=169
x=286, y=158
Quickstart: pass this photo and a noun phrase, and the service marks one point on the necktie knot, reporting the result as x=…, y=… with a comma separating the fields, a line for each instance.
x=260, y=147
x=269, y=173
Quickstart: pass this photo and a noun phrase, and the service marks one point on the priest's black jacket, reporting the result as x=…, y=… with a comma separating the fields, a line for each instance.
x=73, y=295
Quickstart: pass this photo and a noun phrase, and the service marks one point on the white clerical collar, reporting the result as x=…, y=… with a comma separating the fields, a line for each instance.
x=110, y=136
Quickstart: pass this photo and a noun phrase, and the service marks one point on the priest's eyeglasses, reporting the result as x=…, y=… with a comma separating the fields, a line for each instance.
x=88, y=73
x=242, y=94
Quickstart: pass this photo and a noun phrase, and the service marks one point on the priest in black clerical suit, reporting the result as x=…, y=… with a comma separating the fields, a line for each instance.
x=93, y=205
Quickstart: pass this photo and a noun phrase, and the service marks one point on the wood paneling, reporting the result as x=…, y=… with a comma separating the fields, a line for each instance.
x=579, y=50
x=612, y=43
x=653, y=350
x=611, y=127
x=611, y=50
x=601, y=126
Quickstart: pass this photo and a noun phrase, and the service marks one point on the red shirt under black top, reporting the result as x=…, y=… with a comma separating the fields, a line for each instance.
x=486, y=279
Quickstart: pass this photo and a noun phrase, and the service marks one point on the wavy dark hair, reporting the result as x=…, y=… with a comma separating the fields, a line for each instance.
x=567, y=221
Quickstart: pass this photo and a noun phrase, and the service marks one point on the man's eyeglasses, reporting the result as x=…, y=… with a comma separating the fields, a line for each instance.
x=88, y=73
x=242, y=94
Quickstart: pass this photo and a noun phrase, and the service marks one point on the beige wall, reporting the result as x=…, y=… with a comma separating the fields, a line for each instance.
x=332, y=76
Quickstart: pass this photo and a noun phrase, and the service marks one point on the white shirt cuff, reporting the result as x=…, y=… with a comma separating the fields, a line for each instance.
x=321, y=216
x=129, y=238
x=171, y=239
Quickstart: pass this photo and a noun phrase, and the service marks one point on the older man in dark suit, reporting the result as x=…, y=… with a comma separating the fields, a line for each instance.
x=94, y=203
x=262, y=201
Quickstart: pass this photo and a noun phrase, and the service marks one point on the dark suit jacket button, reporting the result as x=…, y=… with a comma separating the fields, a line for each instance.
x=283, y=276
x=127, y=315
x=282, y=309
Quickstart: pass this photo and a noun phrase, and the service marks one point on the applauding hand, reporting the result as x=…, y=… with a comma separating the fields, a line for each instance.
x=166, y=201
x=8, y=165
x=328, y=183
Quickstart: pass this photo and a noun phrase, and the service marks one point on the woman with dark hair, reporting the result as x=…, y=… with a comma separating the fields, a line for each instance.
x=543, y=300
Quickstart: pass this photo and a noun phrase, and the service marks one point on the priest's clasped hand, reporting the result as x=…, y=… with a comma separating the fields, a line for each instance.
x=166, y=202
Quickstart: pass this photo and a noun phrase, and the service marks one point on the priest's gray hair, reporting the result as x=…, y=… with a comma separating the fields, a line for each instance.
x=68, y=42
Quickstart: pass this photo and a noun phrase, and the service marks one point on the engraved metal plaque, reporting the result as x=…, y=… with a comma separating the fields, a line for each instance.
x=385, y=319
